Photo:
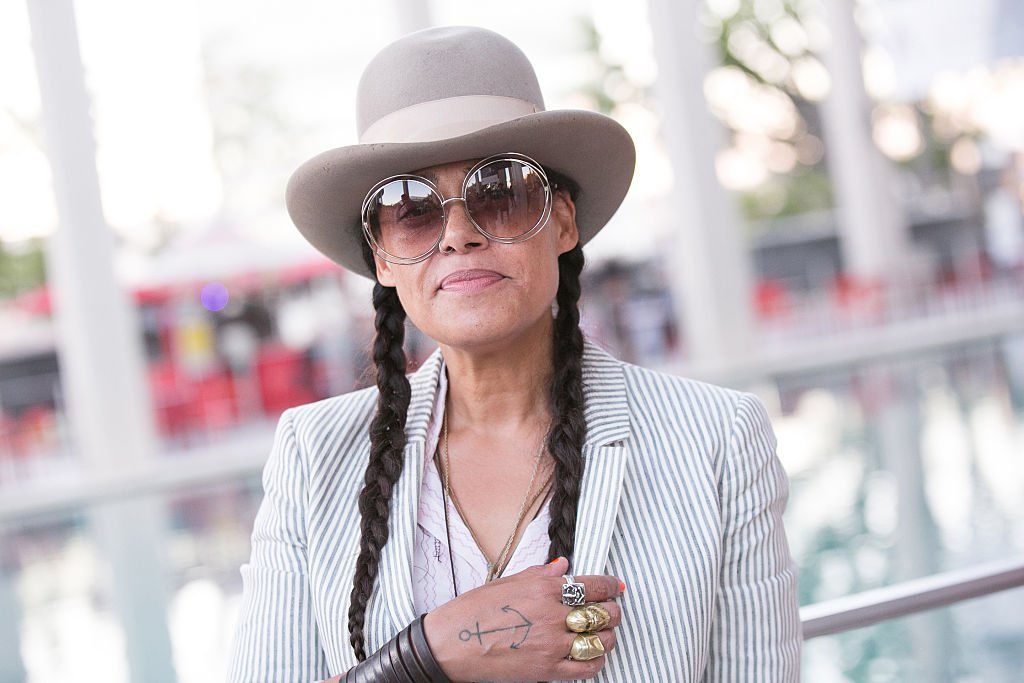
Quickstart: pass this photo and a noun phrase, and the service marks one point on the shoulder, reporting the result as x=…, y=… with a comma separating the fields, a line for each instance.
x=336, y=429
x=333, y=426
x=678, y=408
x=682, y=392
x=662, y=390
x=706, y=411
x=342, y=408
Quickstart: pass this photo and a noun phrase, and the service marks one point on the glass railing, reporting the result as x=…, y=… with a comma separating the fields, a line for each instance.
x=903, y=468
x=974, y=640
x=69, y=569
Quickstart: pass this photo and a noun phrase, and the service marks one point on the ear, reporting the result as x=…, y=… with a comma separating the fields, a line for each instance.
x=384, y=274
x=563, y=211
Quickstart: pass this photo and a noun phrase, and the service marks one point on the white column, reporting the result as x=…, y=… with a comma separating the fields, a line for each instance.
x=710, y=265
x=871, y=225
x=99, y=345
x=412, y=15
x=101, y=355
x=916, y=542
x=11, y=668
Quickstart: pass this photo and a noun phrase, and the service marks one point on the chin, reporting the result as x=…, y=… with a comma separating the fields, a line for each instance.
x=478, y=327
x=472, y=331
x=473, y=338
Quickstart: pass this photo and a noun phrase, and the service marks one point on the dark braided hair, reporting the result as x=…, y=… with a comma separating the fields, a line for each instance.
x=568, y=428
x=387, y=431
x=387, y=443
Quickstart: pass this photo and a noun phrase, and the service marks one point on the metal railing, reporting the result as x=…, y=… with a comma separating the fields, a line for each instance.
x=202, y=466
x=870, y=344
x=929, y=592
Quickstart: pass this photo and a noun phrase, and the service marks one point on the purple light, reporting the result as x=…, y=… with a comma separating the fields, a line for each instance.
x=214, y=296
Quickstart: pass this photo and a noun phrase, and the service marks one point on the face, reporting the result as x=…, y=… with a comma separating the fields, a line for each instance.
x=475, y=293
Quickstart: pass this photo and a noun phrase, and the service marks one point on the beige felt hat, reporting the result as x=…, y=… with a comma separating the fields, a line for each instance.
x=447, y=94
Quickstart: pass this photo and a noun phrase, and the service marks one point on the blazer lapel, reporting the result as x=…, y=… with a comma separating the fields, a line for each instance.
x=392, y=601
x=598, y=506
x=605, y=457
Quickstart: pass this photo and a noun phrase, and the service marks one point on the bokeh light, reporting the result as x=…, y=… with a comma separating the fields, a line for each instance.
x=214, y=296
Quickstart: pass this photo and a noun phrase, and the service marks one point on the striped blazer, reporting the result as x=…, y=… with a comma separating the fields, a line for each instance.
x=682, y=497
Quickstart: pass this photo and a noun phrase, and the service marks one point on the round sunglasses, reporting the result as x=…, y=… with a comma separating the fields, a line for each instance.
x=507, y=197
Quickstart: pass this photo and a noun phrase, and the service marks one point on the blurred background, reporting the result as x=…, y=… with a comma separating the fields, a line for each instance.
x=826, y=211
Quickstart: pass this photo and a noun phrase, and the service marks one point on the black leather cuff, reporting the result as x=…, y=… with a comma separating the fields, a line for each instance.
x=406, y=658
x=424, y=655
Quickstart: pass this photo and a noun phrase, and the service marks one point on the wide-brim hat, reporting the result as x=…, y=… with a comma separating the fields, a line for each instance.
x=446, y=94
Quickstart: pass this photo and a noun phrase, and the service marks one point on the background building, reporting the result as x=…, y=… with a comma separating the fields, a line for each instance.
x=826, y=211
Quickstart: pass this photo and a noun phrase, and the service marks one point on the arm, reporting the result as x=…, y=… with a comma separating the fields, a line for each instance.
x=756, y=635
x=276, y=636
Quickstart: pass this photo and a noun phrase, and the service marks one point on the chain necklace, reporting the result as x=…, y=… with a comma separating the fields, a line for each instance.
x=495, y=568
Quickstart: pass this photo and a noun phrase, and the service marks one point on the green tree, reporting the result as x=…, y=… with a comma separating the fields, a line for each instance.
x=21, y=269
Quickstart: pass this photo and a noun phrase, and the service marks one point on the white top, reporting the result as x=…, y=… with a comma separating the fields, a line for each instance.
x=432, y=570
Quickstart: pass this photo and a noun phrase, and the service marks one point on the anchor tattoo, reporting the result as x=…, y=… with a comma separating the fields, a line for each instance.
x=466, y=634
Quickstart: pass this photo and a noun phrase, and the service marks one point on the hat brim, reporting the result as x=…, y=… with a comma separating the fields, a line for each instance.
x=325, y=194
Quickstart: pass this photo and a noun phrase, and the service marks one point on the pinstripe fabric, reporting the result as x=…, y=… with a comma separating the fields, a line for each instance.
x=682, y=497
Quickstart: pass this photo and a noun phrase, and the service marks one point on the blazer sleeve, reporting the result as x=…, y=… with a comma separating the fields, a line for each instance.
x=756, y=634
x=276, y=635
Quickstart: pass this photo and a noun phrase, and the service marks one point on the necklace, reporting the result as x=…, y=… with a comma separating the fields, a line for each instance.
x=495, y=568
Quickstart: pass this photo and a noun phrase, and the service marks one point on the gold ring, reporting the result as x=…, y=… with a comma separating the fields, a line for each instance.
x=591, y=617
x=586, y=646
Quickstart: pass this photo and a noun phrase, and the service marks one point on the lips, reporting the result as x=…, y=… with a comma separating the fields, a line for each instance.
x=469, y=280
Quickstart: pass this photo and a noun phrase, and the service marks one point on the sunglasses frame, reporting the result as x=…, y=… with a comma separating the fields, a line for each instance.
x=507, y=156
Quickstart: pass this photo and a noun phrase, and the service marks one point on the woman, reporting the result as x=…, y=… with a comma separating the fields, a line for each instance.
x=523, y=506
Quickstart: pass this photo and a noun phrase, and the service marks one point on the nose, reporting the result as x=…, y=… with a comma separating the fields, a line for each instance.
x=460, y=234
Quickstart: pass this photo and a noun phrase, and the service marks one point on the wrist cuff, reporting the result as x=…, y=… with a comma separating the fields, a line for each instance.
x=406, y=658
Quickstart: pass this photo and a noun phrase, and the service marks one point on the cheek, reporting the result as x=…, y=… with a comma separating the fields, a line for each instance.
x=545, y=272
x=414, y=301
x=546, y=286
x=528, y=294
x=406, y=285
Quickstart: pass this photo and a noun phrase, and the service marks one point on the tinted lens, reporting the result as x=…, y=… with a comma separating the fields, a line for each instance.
x=405, y=218
x=506, y=198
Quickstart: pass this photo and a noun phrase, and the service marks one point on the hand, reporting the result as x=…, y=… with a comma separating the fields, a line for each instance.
x=513, y=628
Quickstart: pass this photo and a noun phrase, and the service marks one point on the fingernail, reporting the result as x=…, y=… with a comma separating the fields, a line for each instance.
x=622, y=586
x=555, y=560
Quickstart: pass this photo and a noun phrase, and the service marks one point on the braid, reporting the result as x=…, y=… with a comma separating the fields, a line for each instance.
x=387, y=443
x=569, y=429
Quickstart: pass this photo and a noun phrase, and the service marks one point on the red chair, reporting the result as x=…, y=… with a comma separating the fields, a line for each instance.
x=772, y=299
x=284, y=378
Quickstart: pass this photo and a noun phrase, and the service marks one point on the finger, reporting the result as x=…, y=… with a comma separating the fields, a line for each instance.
x=599, y=587
x=571, y=668
x=607, y=636
x=614, y=611
x=552, y=570
x=555, y=567
x=568, y=669
x=608, y=639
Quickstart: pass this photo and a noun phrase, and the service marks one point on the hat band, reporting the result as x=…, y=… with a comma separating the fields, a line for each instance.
x=445, y=118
